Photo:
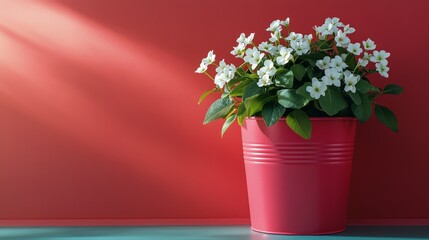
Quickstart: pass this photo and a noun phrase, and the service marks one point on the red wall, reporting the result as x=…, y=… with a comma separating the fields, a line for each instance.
x=98, y=113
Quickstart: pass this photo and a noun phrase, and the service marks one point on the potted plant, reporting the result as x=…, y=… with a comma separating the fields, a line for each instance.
x=297, y=99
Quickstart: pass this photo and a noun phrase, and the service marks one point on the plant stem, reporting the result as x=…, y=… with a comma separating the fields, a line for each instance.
x=206, y=73
x=357, y=66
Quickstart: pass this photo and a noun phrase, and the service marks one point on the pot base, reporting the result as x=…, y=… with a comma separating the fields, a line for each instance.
x=297, y=233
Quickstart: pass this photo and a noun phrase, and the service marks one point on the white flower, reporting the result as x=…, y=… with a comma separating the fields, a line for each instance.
x=300, y=47
x=285, y=56
x=334, y=21
x=308, y=37
x=229, y=71
x=294, y=36
x=249, y=39
x=205, y=62
x=329, y=27
x=337, y=63
x=382, y=69
x=368, y=44
x=220, y=80
x=267, y=69
x=285, y=22
x=354, y=48
x=332, y=77
x=341, y=39
x=315, y=28
x=276, y=35
x=343, y=56
x=316, y=89
x=323, y=63
x=264, y=81
x=203, y=67
x=239, y=50
x=347, y=72
x=210, y=57
x=269, y=48
x=253, y=56
x=274, y=26
x=366, y=56
x=347, y=29
x=321, y=36
x=224, y=74
x=265, y=46
x=274, y=50
x=325, y=29
x=243, y=39
x=221, y=66
x=380, y=57
x=350, y=80
x=362, y=62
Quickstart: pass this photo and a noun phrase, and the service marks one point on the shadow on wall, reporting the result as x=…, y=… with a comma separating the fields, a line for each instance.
x=116, y=98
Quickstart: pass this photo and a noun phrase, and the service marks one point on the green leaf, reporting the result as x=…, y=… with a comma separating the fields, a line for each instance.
x=313, y=56
x=300, y=123
x=219, y=109
x=239, y=89
x=225, y=95
x=235, y=81
x=231, y=112
x=241, y=113
x=241, y=72
x=271, y=112
x=362, y=111
x=205, y=94
x=284, y=79
x=330, y=41
x=298, y=71
x=253, y=76
x=364, y=86
x=228, y=123
x=251, y=90
x=332, y=102
x=318, y=43
x=342, y=50
x=303, y=90
x=324, y=46
x=350, y=60
x=311, y=62
x=393, y=89
x=310, y=72
x=254, y=104
x=386, y=117
x=226, y=89
x=355, y=97
x=288, y=98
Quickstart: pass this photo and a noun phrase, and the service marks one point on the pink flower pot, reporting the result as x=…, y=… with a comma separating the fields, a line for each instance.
x=298, y=186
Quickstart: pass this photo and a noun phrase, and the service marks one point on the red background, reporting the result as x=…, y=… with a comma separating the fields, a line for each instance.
x=98, y=113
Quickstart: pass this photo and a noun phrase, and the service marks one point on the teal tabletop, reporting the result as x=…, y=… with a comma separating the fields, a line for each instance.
x=205, y=233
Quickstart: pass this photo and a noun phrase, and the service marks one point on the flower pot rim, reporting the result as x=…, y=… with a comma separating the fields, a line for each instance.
x=313, y=118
